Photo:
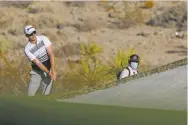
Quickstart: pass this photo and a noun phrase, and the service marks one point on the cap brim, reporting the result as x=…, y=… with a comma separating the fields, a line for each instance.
x=31, y=31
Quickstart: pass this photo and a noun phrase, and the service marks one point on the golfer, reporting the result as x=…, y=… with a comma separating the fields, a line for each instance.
x=39, y=51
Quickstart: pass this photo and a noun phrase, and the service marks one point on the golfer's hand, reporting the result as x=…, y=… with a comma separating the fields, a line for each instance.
x=50, y=75
x=54, y=76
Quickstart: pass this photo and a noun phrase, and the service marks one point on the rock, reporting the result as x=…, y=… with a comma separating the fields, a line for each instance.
x=179, y=35
x=60, y=26
x=174, y=17
x=34, y=10
x=142, y=34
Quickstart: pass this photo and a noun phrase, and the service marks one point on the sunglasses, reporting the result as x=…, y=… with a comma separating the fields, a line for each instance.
x=28, y=35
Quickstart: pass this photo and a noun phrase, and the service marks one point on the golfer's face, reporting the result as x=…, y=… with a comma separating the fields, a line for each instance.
x=31, y=37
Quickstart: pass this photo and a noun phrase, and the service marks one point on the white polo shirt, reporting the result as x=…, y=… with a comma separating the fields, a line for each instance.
x=38, y=51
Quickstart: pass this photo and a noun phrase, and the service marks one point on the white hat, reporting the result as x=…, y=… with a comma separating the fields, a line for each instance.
x=29, y=29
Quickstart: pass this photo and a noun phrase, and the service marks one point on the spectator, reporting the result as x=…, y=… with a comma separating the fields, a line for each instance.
x=132, y=67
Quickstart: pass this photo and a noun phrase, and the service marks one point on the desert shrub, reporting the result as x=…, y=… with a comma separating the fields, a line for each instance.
x=68, y=50
x=92, y=72
x=75, y=3
x=175, y=16
x=143, y=67
x=132, y=15
x=14, y=77
x=51, y=34
x=120, y=60
x=47, y=20
x=88, y=24
x=88, y=72
x=5, y=19
x=17, y=4
x=44, y=20
x=5, y=43
x=13, y=73
x=129, y=15
x=10, y=24
x=40, y=6
x=15, y=29
x=149, y=4
x=45, y=14
x=90, y=50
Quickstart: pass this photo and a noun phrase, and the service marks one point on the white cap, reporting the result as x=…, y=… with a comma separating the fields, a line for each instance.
x=29, y=29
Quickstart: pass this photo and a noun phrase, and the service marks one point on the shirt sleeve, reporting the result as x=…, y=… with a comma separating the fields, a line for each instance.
x=29, y=55
x=46, y=41
x=124, y=73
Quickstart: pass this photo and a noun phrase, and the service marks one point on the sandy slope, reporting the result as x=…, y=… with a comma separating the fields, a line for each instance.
x=166, y=90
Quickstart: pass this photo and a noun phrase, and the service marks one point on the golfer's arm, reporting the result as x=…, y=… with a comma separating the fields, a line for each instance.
x=52, y=63
x=35, y=60
x=40, y=65
x=51, y=54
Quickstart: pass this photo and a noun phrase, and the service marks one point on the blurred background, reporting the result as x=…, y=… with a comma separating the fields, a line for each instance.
x=91, y=40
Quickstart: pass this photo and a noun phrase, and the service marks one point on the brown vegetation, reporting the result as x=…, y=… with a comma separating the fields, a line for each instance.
x=115, y=27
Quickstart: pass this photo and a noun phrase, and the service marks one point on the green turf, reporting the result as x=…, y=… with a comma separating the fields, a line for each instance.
x=36, y=111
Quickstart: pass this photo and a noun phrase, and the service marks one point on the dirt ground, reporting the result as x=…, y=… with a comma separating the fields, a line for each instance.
x=74, y=22
x=157, y=47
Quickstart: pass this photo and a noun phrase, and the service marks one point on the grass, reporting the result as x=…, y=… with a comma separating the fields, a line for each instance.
x=39, y=111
